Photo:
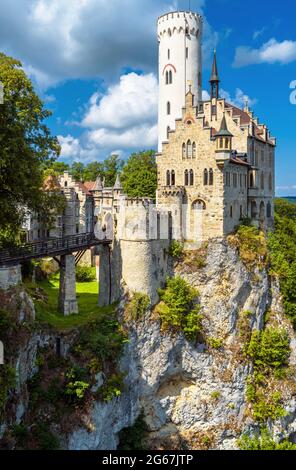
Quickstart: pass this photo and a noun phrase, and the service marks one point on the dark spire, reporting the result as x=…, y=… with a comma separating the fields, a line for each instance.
x=223, y=132
x=214, y=80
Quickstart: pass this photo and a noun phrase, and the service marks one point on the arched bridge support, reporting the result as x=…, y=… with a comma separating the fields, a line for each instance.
x=67, y=290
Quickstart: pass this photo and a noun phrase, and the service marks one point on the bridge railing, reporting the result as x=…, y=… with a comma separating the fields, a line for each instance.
x=50, y=246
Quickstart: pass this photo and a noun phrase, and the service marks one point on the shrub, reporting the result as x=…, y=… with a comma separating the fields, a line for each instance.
x=7, y=382
x=46, y=439
x=132, y=438
x=76, y=389
x=178, y=309
x=21, y=434
x=137, y=307
x=176, y=249
x=85, y=274
x=112, y=388
x=263, y=440
x=269, y=348
x=251, y=244
x=215, y=395
x=215, y=343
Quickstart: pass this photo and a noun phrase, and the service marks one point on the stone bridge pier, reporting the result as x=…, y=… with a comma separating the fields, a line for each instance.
x=67, y=290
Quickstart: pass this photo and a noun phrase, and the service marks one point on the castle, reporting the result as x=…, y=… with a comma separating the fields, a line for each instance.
x=215, y=166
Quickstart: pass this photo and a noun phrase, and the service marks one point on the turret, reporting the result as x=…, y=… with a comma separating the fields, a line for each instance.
x=180, y=65
x=223, y=142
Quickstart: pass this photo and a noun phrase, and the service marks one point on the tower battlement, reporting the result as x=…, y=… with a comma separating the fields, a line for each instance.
x=177, y=22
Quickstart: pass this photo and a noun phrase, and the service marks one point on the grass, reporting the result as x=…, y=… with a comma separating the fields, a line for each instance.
x=87, y=297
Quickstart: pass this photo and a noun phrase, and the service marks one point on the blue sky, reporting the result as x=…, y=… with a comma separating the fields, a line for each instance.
x=94, y=62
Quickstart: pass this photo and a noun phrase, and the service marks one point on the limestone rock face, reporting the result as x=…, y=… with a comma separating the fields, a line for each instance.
x=192, y=393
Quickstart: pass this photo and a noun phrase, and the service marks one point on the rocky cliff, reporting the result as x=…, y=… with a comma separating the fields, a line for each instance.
x=192, y=394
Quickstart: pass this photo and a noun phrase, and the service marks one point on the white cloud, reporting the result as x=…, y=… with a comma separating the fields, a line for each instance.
x=132, y=100
x=125, y=118
x=271, y=52
x=239, y=99
x=60, y=40
x=205, y=95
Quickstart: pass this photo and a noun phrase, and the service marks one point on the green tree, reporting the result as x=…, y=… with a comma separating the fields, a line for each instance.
x=77, y=171
x=139, y=175
x=93, y=170
x=111, y=167
x=60, y=167
x=26, y=147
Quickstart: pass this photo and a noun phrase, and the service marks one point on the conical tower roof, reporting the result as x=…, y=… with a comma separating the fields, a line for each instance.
x=98, y=184
x=223, y=132
x=117, y=185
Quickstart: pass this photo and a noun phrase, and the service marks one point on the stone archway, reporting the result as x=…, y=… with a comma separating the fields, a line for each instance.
x=198, y=208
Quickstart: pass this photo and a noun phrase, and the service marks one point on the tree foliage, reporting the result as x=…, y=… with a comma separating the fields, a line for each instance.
x=139, y=175
x=178, y=309
x=26, y=146
x=282, y=249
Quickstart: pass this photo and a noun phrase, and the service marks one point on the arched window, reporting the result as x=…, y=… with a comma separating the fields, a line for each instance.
x=194, y=150
x=253, y=210
x=170, y=77
x=184, y=151
x=173, y=178
x=167, y=77
x=268, y=210
x=262, y=181
x=168, y=108
x=221, y=143
x=211, y=177
x=199, y=205
x=206, y=177
x=191, y=178
x=168, y=132
x=189, y=149
x=227, y=143
x=251, y=180
x=186, y=178
x=168, y=178
x=270, y=182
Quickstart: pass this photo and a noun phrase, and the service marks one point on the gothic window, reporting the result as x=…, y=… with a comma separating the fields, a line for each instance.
x=231, y=211
x=167, y=77
x=256, y=158
x=168, y=178
x=184, y=151
x=221, y=143
x=168, y=132
x=186, y=178
x=169, y=54
x=66, y=184
x=191, y=178
x=270, y=182
x=227, y=143
x=253, y=209
x=211, y=177
x=234, y=180
x=268, y=210
x=206, y=177
x=252, y=185
x=241, y=180
x=173, y=178
x=168, y=108
x=262, y=181
x=194, y=150
x=189, y=149
x=170, y=77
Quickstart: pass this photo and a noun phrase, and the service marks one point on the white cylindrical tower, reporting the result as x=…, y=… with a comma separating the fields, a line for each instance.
x=180, y=65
